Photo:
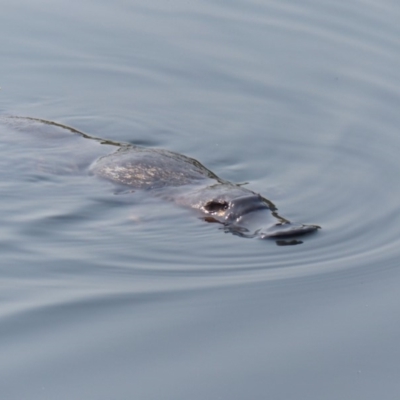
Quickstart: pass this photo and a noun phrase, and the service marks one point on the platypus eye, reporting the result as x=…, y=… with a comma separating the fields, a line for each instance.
x=214, y=206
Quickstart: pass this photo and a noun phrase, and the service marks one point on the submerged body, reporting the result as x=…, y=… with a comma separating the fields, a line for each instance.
x=188, y=183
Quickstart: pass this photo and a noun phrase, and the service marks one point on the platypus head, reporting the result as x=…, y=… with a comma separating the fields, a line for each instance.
x=253, y=216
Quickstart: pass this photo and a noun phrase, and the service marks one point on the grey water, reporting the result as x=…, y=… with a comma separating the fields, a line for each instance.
x=110, y=295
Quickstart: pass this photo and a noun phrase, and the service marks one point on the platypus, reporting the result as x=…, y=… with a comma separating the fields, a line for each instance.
x=186, y=182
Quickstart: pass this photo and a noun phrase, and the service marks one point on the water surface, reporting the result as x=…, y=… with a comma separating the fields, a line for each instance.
x=123, y=296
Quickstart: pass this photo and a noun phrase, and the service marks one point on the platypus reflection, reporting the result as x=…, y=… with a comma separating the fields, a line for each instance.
x=187, y=182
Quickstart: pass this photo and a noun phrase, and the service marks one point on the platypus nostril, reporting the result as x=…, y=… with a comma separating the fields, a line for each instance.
x=287, y=229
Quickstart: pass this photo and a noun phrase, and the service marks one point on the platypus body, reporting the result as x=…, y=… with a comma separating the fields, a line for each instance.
x=183, y=180
x=188, y=183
